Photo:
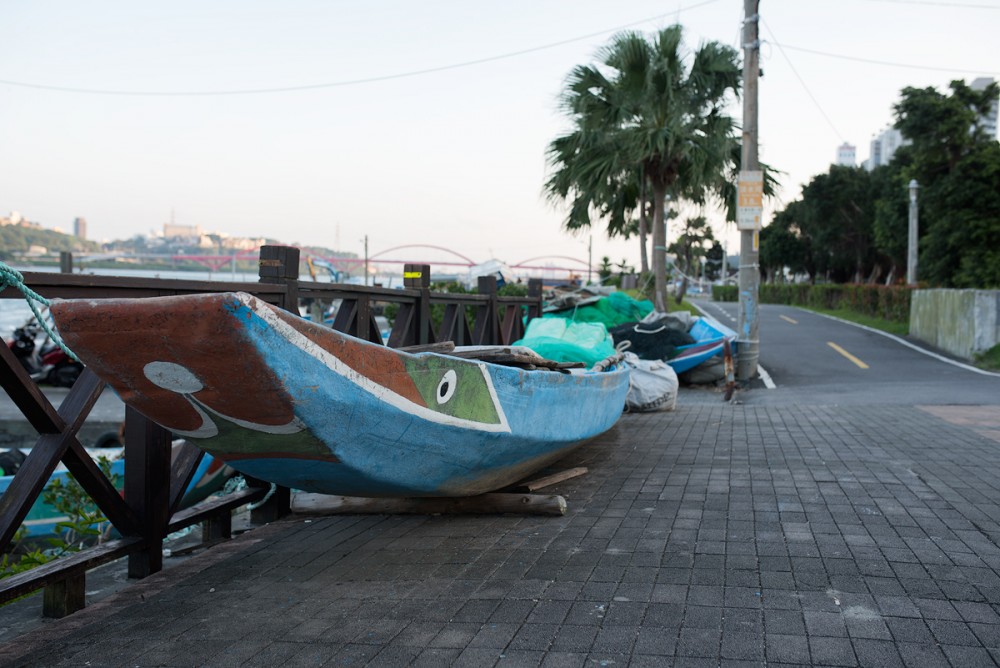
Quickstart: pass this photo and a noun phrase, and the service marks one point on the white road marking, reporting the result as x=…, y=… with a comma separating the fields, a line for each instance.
x=766, y=377
x=906, y=343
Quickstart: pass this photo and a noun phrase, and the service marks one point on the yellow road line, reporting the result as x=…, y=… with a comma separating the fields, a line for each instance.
x=785, y=317
x=847, y=354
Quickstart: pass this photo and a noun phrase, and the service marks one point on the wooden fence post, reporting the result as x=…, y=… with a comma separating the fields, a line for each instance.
x=147, y=488
x=279, y=264
x=412, y=325
x=535, y=293
x=487, y=330
x=65, y=262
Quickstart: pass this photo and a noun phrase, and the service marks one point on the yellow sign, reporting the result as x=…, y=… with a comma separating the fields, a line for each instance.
x=750, y=200
x=412, y=274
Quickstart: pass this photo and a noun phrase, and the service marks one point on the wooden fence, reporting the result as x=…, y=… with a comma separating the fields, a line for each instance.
x=148, y=509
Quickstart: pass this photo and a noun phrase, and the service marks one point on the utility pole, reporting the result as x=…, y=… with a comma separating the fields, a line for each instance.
x=366, y=259
x=911, y=245
x=590, y=257
x=749, y=314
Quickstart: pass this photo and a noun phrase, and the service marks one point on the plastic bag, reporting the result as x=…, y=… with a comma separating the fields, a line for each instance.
x=653, y=387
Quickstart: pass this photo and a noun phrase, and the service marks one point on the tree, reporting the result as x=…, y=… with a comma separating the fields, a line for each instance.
x=783, y=244
x=943, y=128
x=891, y=223
x=831, y=226
x=645, y=111
x=958, y=168
x=693, y=243
x=961, y=245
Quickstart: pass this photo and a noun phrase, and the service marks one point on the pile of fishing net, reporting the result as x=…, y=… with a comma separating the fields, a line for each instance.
x=657, y=337
x=615, y=309
x=563, y=340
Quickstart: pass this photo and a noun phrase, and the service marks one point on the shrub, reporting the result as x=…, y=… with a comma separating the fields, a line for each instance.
x=725, y=293
x=878, y=301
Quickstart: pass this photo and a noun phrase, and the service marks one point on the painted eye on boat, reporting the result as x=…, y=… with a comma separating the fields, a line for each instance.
x=446, y=388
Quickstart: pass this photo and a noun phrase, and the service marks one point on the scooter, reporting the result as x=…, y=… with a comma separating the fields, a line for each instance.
x=47, y=363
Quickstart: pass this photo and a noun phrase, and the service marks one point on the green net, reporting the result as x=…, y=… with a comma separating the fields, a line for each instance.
x=615, y=309
x=563, y=340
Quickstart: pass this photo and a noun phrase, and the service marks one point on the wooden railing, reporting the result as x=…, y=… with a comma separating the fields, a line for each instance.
x=155, y=479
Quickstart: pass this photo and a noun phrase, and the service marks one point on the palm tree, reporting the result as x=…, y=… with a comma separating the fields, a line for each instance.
x=643, y=111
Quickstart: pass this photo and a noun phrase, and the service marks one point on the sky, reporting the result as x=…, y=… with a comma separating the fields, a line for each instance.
x=409, y=123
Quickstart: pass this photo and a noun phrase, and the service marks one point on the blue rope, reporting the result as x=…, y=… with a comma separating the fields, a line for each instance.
x=13, y=278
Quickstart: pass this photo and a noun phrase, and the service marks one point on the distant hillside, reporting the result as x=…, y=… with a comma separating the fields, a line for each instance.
x=15, y=239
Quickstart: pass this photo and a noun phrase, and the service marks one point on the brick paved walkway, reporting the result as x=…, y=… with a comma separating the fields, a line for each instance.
x=714, y=535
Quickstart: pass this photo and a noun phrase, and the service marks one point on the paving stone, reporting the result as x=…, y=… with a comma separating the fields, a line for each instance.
x=790, y=649
x=824, y=623
x=789, y=534
x=573, y=638
x=832, y=651
x=968, y=657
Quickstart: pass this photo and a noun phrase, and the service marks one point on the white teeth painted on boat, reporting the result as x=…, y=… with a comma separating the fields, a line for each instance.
x=172, y=377
x=176, y=378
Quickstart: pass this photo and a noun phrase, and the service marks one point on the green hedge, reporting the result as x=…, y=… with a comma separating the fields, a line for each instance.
x=725, y=293
x=878, y=301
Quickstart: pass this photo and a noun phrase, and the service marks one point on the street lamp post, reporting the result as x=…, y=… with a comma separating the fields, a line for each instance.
x=911, y=246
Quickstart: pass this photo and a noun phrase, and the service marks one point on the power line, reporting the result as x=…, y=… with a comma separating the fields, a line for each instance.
x=802, y=81
x=350, y=82
x=887, y=63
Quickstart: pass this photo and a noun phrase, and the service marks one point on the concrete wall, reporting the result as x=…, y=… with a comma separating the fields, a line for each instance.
x=961, y=322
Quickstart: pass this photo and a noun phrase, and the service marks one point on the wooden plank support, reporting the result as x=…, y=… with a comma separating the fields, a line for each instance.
x=216, y=528
x=512, y=324
x=208, y=507
x=65, y=597
x=494, y=503
x=48, y=450
x=455, y=325
x=276, y=507
x=546, y=481
x=147, y=488
x=184, y=461
x=355, y=317
x=71, y=566
x=405, y=330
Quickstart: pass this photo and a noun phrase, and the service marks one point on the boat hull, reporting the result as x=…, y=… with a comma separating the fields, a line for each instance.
x=303, y=406
x=710, y=336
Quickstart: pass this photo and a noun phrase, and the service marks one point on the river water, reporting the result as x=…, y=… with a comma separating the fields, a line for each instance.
x=15, y=312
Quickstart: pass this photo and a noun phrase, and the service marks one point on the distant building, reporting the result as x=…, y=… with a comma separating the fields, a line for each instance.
x=883, y=147
x=80, y=228
x=174, y=230
x=988, y=122
x=846, y=155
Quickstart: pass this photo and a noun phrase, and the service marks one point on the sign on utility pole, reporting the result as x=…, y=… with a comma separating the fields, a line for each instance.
x=750, y=200
x=751, y=192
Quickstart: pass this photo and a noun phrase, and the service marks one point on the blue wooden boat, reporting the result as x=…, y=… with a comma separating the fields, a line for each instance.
x=294, y=403
x=710, y=336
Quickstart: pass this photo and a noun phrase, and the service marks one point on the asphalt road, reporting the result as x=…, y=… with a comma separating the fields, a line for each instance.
x=814, y=359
